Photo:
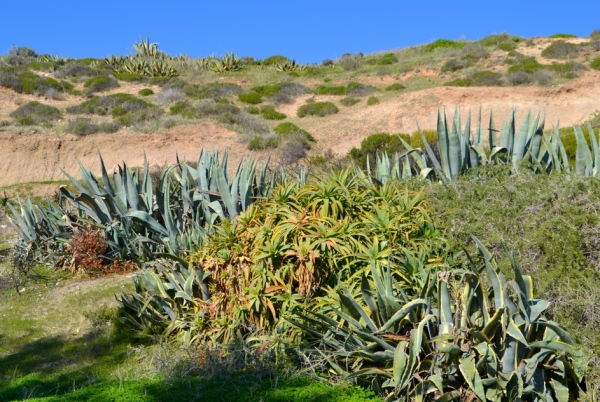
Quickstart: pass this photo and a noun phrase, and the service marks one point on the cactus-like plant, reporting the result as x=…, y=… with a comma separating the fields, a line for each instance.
x=490, y=341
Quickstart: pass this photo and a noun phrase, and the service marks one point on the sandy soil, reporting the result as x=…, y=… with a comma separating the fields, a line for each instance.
x=28, y=156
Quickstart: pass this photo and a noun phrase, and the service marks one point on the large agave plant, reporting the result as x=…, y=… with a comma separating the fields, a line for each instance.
x=457, y=340
x=140, y=218
x=461, y=149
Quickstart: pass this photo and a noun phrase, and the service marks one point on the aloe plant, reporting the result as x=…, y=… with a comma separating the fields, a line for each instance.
x=490, y=342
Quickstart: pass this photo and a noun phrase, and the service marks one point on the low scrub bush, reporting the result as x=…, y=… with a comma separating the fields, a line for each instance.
x=443, y=44
x=595, y=35
x=31, y=83
x=146, y=92
x=169, y=95
x=386, y=59
x=561, y=50
x=452, y=65
x=330, y=90
x=499, y=39
x=595, y=64
x=358, y=89
x=394, y=87
x=377, y=144
x=525, y=64
x=75, y=69
x=251, y=97
x=320, y=109
x=127, y=110
x=373, y=100
x=272, y=60
x=480, y=78
x=101, y=83
x=217, y=90
x=129, y=77
x=287, y=130
x=184, y=109
x=519, y=78
x=507, y=46
x=263, y=142
x=349, y=101
x=85, y=126
x=269, y=113
x=474, y=52
x=562, y=35
x=33, y=113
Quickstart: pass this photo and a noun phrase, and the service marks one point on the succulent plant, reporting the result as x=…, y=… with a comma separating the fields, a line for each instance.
x=490, y=341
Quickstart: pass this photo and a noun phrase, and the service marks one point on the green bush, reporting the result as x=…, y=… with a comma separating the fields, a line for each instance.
x=595, y=35
x=34, y=112
x=526, y=64
x=184, y=109
x=127, y=109
x=377, y=144
x=595, y=64
x=214, y=90
x=265, y=90
x=443, y=44
x=480, y=78
x=561, y=50
x=260, y=142
x=146, y=92
x=269, y=113
x=330, y=90
x=31, y=83
x=452, y=65
x=129, y=77
x=562, y=35
x=288, y=129
x=386, y=59
x=253, y=109
x=84, y=126
x=272, y=60
x=373, y=100
x=251, y=97
x=320, y=109
x=394, y=87
x=499, y=39
x=101, y=83
x=358, y=89
x=507, y=46
x=349, y=101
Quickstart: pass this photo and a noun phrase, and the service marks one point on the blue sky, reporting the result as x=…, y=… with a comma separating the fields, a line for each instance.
x=308, y=30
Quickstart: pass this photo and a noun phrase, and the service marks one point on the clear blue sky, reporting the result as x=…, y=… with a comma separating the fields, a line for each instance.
x=308, y=30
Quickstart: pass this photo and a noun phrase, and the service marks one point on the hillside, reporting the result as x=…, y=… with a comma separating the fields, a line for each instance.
x=497, y=73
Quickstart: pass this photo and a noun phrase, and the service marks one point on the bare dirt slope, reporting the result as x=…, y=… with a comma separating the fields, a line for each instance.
x=28, y=156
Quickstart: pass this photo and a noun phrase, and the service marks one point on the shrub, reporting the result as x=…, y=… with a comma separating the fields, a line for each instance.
x=452, y=65
x=169, y=95
x=474, y=52
x=373, y=100
x=562, y=35
x=75, y=69
x=595, y=64
x=519, y=78
x=561, y=50
x=265, y=90
x=269, y=113
x=394, y=87
x=497, y=40
x=262, y=142
x=330, y=90
x=251, y=97
x=542, y=77
x=287, y=130
x=358, y=89
x=595, y=35
x=507, y=46
x=525, y=64
x=443, y=44
x=479, y=78
x=101, y=83
x=146, y=92
x=320, y=109
x=327, y=63
x=183, y=108
x=348, y=101
x=386, y=59
x=129, y=77
x=84, y=126
x=291, y=152
x=31, y=83
x=377, y=144
x=272, y=60
x=22, y=52
x=216, y=90
x=35, y=112
x=566, y=70
x=103, y=105
x=253, y=109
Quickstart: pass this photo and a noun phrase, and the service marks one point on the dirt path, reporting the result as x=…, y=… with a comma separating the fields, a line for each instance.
x=34, y=157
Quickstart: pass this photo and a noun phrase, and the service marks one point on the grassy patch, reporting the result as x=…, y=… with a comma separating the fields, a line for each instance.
x=373, y=100
x=85, y=126
x=269, y=113
x=349, y=101
x=479, y=78
x=100, y=83
x=561, y=50
x=595, y=64
x=146, y=92
x=443, y=44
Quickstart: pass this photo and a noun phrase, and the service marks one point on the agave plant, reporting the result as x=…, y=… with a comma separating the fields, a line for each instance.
x=488, y=342
x=288, y=65
x=146, y=49
x=141, y=218
x=229, y=62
